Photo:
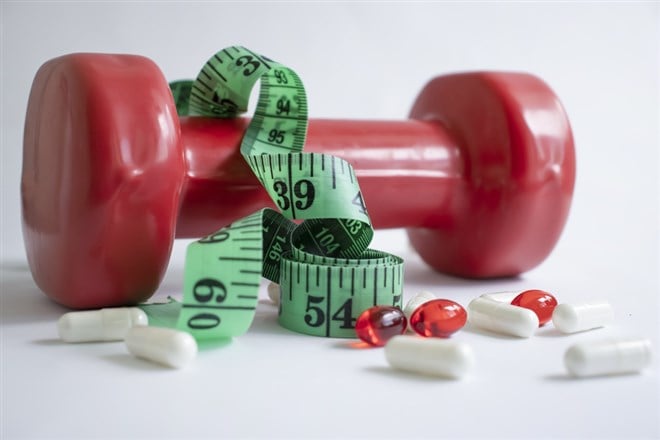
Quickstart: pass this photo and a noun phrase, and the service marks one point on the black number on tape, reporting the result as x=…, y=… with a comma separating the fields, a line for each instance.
x=207, y=288
x=345, y=314
x=359, y=202
x=283, y=106
x=251, y=65
x=218, y=237
x=318, y=317
x=304, y=189
x=282, y=189
x=276, y=136
x=204, y=321
x=280, y=76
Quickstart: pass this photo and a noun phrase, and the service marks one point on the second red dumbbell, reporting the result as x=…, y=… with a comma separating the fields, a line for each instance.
x=482, y=175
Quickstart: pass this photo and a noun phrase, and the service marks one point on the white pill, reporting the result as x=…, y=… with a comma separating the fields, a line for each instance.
x=100, y=325
x=501, y=317
x=571, y=318
x=506, y=297
x=416, y=301
x=274, y=292
x=165, y=346
x=429, y=356
x=608, y=357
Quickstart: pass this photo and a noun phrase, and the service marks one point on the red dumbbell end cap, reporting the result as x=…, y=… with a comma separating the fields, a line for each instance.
x=102, y=173
x=508, y=209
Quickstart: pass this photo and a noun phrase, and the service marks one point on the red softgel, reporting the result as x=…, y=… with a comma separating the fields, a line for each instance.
x=540, y=302
x=438, y=318
x=379, y=324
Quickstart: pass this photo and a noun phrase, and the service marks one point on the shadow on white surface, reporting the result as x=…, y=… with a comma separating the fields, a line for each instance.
x=52, y=342
x=22, y=301
x=127, y=361
x=265, y=321
x=478, y=331
x=548, y=331
x=606, y=378
x=15, y=266
x=398, y=375
x=353, y=344
x=214, y=344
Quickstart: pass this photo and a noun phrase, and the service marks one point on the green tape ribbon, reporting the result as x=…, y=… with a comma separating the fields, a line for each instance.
x=327, y=274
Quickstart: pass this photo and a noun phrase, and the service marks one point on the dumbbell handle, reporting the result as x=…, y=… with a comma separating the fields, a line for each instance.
x=406, y=170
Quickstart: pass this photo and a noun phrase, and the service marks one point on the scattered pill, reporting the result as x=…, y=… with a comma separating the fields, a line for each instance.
x=608, y=357
x=438, y=318
x=501, y=317
x=506, y=297
x=540, y=302
x=572, y=318
x=378, y=324
x=416, y=301
x=274, y=292
x=429, y=356
x=165, y=346
x=109, y=324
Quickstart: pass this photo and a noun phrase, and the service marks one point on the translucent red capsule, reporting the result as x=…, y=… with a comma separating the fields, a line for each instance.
x=438, y=318
x=540, y=302
x=379, y=324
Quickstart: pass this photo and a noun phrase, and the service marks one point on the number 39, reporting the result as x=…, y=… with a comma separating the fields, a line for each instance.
x=303, y=191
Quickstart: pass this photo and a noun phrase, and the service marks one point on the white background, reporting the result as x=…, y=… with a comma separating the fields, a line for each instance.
x=362, y=60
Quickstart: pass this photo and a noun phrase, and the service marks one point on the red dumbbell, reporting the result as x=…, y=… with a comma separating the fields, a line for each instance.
x=482, y=175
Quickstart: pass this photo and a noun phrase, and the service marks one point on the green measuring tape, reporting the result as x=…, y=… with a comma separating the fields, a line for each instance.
x=326, y=272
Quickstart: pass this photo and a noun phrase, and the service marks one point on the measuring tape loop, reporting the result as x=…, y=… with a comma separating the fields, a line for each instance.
x=321, y=296
x=326, y=272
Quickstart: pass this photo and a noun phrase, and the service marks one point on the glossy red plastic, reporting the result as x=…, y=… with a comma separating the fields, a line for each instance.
x=482, y=175
x=102, y=173
x=379, y=324
x=540, y=302
x=438, y=318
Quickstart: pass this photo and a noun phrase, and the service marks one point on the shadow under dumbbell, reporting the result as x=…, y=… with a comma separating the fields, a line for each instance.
x=22, y=301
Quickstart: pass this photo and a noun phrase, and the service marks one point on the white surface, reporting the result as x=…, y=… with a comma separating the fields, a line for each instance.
x=368, y=61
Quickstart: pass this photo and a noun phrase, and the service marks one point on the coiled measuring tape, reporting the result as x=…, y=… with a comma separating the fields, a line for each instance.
x=326, y=272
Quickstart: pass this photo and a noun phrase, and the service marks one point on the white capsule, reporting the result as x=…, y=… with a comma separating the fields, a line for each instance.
x=274, y=292
x=608, y=357
x=572, y=318
x=501, y=317
x=416, y=301
x=506, y=297
x=165, y=346
x=100, y=325
x=429, y=356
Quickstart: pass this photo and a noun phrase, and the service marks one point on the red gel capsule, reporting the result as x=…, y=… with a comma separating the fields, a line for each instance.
x=438, y=318
x=378, y=324
x=539, y=302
